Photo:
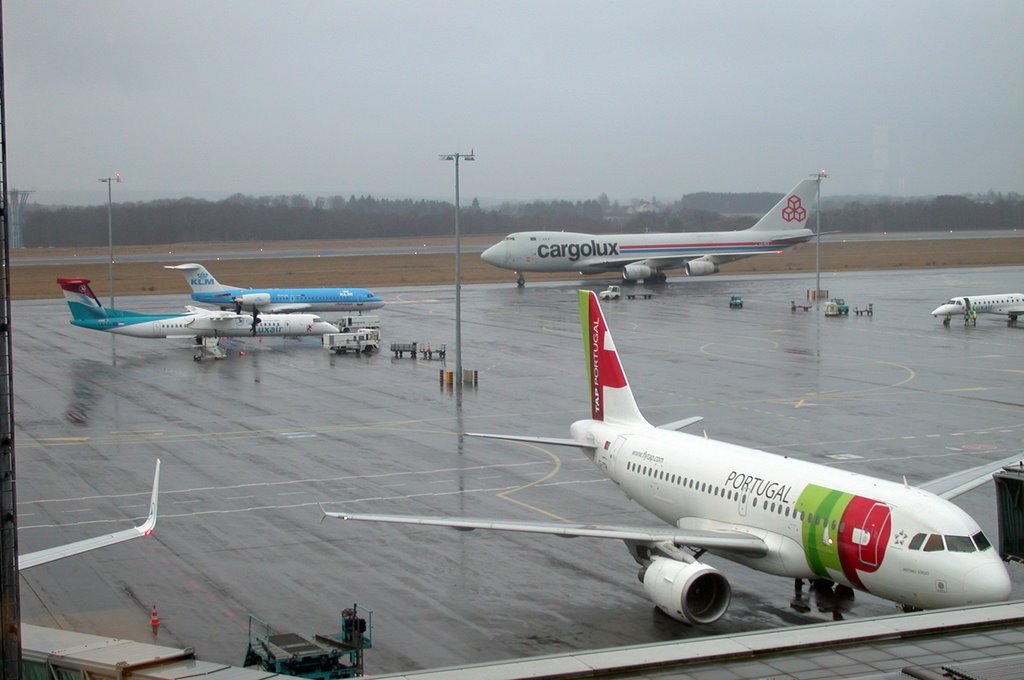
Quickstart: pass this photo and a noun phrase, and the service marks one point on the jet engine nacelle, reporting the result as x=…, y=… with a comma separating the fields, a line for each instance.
x=636, y=271
x=690, y=592
x=252, y=300
x=701, y=267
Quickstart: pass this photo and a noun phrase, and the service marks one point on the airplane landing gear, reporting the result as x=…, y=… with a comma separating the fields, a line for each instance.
x=520, y=281
x=799, y=602
x=828, y=596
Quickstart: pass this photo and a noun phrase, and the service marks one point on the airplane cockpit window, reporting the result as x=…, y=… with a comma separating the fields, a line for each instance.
x=959, y=544
x=916, y=541
x=981, y=541
x=934, y=543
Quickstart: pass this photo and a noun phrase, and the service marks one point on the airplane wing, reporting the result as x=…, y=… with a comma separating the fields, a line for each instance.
x=213, y=314
x=284, y=307
x=145, y=529
x=676, y=261
x=957, y=483
x=554, y=441
x=735, y=541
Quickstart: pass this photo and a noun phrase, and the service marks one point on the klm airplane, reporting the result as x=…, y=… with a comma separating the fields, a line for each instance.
x=206, y=289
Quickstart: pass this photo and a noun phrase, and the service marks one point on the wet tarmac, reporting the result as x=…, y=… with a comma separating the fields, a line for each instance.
x=250, y=444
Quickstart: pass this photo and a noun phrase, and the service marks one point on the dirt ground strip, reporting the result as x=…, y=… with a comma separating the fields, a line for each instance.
x=140, y=278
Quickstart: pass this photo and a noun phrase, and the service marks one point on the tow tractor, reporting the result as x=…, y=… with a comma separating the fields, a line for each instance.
x=837, y=307
x=611, y=293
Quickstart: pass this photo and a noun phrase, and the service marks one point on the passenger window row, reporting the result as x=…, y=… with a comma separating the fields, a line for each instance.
x=730, y=494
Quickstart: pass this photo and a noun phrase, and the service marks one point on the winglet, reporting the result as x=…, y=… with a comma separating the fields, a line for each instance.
x=149, y=525
x=38, y=557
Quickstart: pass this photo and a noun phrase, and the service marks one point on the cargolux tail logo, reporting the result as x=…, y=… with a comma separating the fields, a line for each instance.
x=794, y=210
x=605, y=369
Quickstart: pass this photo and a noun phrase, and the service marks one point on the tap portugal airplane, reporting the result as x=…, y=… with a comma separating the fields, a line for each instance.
x=646, y=256
x=145, y=529
x=206, y=289
x=1010, y=305
x=87, y=312
x=772, y=513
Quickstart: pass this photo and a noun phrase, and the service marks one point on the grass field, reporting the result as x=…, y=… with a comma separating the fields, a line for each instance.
x=426, y=268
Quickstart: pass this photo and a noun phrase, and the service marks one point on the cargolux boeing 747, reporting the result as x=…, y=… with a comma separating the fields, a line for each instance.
x=647, y=256
x=773, y=513
x=208, y=290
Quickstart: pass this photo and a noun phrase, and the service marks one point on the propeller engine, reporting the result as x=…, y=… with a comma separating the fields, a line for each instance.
x=255, y=301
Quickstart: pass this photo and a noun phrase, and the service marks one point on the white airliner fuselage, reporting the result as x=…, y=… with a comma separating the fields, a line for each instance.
x=645, y=256
x=898, y=542
x=1010, y=305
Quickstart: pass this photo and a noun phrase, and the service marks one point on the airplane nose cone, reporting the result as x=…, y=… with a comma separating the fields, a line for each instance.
x=494, y=255
x=940, y=310
x=988, y=583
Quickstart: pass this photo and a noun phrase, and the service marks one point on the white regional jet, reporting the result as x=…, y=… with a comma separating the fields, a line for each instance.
x=645, y=256
x=59, y=552
x=1010, y=305
x=773, y=513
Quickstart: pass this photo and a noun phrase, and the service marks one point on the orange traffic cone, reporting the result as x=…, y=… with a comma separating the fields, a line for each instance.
x=154, y=620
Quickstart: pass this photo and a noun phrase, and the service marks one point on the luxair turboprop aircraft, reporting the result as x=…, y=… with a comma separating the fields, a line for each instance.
x=646, y=256
x=145, y=529
x=200, y=324
x=207, y=290
x=1010, y=305
x=773, y=513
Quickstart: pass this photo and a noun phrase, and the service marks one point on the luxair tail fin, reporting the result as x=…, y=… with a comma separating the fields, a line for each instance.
x=611, y=399
x=792, y=211
x=83, y=302
x=200, y=279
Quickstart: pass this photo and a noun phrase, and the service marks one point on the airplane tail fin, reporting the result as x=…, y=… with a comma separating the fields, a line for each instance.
x=83, y=302
x=611, y=399
x=199, y=278
x=792, y=211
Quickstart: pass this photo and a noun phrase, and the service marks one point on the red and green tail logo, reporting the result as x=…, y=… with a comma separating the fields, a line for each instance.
x=603, y=367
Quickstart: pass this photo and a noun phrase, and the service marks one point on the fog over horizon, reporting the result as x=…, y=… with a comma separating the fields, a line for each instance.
x=567, y=100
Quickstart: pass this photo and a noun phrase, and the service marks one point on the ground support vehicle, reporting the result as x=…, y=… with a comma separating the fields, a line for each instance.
x=360, y=341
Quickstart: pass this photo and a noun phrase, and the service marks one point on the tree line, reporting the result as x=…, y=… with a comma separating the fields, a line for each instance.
x=298, y=217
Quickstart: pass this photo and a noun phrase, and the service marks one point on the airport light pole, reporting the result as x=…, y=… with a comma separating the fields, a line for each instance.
x=458, y=269
x=820, y=175
x=110, y=231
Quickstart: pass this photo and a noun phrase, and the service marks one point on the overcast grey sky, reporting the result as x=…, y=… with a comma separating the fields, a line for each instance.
x=559, y=99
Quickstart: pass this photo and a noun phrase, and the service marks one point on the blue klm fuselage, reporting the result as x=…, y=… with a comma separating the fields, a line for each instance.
x=293, y=299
